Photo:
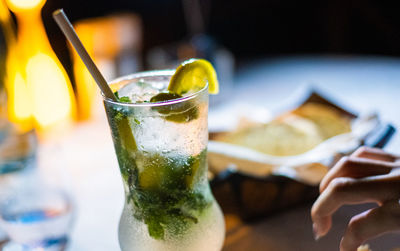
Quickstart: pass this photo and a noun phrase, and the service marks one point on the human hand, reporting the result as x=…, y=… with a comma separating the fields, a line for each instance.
x=368, y=175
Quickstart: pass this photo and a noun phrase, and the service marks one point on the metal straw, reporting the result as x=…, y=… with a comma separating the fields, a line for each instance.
x=71, y=35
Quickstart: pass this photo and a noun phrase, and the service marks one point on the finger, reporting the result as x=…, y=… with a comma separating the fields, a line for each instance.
x=371, y=223
x=374, y=153
x=341, y=191
x=363, y=152
x=355, y=167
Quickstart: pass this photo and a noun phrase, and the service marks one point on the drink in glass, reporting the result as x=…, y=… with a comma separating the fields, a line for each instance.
x=161, y=144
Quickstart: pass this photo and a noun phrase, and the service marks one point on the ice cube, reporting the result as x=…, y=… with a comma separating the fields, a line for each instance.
x=139, y=91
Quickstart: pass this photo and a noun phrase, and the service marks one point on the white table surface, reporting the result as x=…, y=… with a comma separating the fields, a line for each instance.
x=86, y=161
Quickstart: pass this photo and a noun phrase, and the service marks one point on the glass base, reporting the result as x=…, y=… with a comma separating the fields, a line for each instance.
x=207, y=234
x=47, y=245
x=16, y=165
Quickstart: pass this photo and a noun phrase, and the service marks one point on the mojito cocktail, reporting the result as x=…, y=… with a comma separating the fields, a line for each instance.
x=160, y=139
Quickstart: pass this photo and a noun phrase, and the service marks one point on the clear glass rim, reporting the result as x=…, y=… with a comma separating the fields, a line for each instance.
x=167, y=72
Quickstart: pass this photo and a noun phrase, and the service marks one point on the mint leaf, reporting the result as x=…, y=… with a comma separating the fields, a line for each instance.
x=172, y=205
x=155, y=228
x=125, y=100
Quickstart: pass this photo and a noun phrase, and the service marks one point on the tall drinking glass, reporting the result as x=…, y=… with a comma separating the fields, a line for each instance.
x=162, y=153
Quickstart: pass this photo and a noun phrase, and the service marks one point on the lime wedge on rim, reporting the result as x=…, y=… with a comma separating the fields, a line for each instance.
x=192, y=75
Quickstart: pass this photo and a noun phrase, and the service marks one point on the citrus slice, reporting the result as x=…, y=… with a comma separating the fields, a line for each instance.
x=192, y=75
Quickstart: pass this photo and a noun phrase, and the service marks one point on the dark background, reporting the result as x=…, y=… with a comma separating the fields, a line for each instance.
x=256, y=28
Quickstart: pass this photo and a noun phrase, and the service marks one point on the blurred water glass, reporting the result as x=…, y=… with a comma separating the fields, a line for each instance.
x=37, y=217
x=17, y=153
x=10, y=183
x=17, y=150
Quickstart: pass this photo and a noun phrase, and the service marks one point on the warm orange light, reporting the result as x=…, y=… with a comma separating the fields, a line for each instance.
x=86, y=89
x=18, y=102
x=22, y=5
x=105, y=38
x=99, y=37
x=88, y=94
x=49, y=90
x=43, y=83
x=22, y=109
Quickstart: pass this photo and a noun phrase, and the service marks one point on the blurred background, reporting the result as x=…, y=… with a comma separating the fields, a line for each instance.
x=253, y=29
x=51, y=114
x=235, y=34
x=231, y=34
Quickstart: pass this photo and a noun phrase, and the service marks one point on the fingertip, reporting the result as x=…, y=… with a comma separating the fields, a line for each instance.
x=341, y=245
x=317, y=236
x=349, y=243
x=345, y=246
x=321, y=227
x=321, y=187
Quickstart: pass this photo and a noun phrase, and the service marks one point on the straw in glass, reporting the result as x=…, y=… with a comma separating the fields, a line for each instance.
x=66, y=27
